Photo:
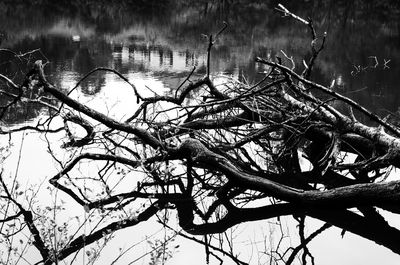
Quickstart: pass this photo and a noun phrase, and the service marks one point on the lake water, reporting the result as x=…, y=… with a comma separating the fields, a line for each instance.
x=157, y=45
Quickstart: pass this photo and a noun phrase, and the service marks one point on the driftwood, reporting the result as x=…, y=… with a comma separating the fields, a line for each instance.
x=234, y=141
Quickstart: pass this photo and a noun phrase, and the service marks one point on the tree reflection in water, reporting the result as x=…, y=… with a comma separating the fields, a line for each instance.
x=165, y=41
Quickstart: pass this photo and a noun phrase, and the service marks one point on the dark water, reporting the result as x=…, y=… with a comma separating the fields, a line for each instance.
x=148, y=42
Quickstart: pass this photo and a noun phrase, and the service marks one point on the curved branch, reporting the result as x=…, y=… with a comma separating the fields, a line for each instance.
x=92, y=156
x=140, y=133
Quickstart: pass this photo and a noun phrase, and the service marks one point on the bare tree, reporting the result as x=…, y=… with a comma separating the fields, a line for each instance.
x=208, y=151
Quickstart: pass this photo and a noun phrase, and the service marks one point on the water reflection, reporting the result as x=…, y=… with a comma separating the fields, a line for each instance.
x=164, y=42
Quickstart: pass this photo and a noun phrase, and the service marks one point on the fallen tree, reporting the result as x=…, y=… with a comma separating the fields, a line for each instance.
x=280, y=142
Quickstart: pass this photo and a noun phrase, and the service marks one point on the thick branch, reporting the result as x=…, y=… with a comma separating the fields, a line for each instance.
x=387, y=193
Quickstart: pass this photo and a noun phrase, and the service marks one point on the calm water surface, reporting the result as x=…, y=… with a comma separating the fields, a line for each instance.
x=158, y=45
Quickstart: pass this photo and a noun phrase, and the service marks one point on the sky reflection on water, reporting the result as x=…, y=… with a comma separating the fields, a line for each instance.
x=158, y=48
